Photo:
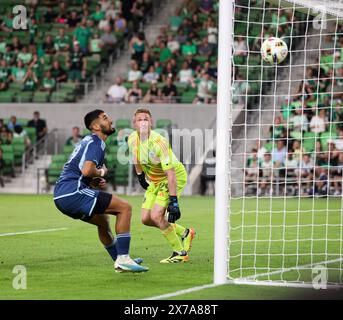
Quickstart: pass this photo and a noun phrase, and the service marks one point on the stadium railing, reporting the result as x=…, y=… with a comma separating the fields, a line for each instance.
x=39, y=148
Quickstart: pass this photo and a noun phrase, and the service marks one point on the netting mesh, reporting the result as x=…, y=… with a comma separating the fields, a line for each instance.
x=286, y=169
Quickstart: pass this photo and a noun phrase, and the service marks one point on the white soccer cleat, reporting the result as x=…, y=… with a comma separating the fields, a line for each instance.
x=124, y=263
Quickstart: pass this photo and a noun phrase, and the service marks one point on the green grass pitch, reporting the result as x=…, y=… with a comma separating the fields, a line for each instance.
x=72, y=264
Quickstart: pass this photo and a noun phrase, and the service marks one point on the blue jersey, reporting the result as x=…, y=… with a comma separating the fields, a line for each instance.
x=71, y=180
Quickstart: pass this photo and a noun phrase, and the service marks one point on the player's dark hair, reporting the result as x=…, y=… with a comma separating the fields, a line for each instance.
x=91, y=116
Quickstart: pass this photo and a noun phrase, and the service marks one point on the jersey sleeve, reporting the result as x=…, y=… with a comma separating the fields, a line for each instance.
x=163, y=151
x=94, y=153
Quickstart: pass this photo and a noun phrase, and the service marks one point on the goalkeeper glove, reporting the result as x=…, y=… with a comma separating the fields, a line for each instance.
x=173, y=209
x=142, y=181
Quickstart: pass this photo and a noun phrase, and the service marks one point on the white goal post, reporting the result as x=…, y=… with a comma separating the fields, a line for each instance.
x=279, y=175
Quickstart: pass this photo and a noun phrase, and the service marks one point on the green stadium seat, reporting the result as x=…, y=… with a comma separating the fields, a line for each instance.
x=163, y=123
x=15, y=87
x=6, y=96
x=67, y=150
x=31, y=132
x=127, y=85
x=58, y=96
x=254, y=60
x=181, y=87
x=239, y=60
x=93, y=65
x=8, y=157
x=41, y=97
x=122, y=124
x=145, y=86
x=188, y=96
x=121, y=174
x=23, y=97
x=240, y=28
x=255, y=15
x=52, y=179
x=6, y=148
x=85, y=132
x=255, y=30
x=255, y=87
x=18, y=151
x=68, y=86
x=112, y=150
x=58, y=26
x=23, y=121
x=18, y=140
x=111, y=160
x=59, y=158
x=55, y=167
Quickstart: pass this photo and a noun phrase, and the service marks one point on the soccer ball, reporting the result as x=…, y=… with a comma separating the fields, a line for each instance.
x=274, y=50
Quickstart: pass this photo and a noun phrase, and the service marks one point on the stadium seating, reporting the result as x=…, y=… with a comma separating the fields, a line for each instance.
x=247, y=66
x=8, y=157
x=41, y=59
x=163, y=123
x=18, y=150
x=14, y=148
x=319, y=146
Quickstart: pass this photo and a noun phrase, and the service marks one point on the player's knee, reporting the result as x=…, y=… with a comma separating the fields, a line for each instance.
x=156, y=217
x=127, y=209
x=146, y=220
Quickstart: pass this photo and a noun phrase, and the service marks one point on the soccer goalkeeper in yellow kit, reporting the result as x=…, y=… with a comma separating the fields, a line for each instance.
x=155, y=161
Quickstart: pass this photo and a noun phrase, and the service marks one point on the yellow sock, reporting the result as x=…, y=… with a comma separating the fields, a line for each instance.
x=172, y=238
x=180, y=230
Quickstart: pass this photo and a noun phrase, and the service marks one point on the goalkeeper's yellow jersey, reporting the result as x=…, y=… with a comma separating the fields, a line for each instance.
x=155, y=156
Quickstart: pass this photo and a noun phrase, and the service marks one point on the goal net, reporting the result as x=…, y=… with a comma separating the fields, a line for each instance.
x=286, y=158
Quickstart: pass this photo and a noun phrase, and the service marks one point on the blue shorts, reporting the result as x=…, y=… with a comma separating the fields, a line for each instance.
x=84, y=204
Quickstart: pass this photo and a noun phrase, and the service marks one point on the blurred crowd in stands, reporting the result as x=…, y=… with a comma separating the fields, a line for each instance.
x=66, y=41
x=303, y=155
x=180, y=66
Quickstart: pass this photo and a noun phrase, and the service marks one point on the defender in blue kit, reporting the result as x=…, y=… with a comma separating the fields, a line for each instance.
x=77, y=193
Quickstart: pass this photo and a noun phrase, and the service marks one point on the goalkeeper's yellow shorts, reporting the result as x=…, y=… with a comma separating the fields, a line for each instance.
x=160, y=194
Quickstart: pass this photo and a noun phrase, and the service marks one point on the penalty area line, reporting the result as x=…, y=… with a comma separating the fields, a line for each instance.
x=31, y=231
x=181, y=292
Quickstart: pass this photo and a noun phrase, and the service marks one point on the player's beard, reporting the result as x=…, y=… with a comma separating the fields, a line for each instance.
x=108, y=131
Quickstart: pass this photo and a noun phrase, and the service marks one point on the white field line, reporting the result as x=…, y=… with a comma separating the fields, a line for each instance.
x=250, y=281
x=32, y=231
x=180, y=292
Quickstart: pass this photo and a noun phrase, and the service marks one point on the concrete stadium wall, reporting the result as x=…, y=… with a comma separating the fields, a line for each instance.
x=64, y=116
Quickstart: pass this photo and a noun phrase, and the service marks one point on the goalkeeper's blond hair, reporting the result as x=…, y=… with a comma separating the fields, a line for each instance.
x=143, y=110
